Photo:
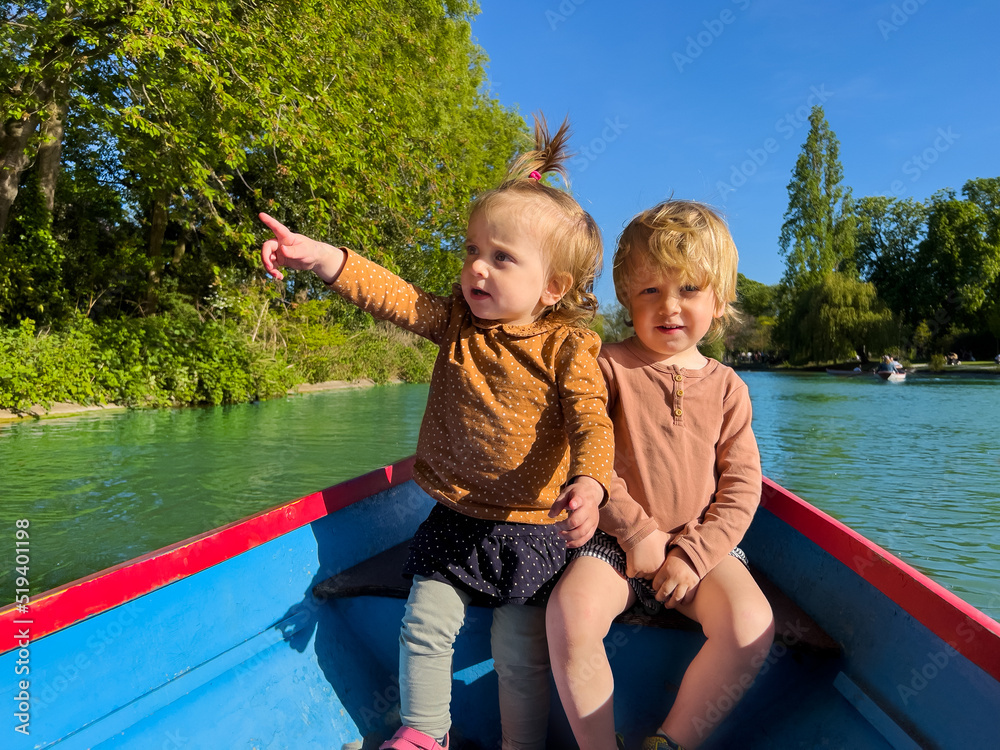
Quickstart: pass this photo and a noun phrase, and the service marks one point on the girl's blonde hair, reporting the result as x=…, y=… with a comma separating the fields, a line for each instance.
x=685, y=237
x=572, y=243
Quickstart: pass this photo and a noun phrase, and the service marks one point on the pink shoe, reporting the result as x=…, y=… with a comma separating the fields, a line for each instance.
x=406, y=738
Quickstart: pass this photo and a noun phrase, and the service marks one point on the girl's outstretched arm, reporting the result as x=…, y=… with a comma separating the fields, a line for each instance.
x=290, y=250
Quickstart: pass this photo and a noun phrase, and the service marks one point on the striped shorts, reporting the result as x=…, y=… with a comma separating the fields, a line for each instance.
x=605, y=547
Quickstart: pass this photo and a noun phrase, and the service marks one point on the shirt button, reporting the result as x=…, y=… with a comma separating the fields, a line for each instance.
x=678, y=412
x=680, y=392
x=678, y=378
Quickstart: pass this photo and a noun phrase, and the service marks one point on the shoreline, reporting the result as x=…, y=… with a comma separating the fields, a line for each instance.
x=921, y=368
x=60, y=409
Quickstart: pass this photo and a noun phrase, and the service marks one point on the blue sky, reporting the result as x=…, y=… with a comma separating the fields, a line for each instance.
x=710, y=100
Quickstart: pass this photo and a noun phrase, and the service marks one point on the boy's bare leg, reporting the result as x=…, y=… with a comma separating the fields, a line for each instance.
x=579, y=614
x=739, y=626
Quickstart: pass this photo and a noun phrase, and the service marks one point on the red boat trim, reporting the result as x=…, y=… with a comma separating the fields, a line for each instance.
x=99, y=592
x=958, y=623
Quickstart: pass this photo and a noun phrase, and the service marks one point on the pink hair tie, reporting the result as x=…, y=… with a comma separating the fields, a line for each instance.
x=534, y=175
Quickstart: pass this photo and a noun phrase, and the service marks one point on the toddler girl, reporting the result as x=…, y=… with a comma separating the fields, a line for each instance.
x=687, y=481
x=515, y=433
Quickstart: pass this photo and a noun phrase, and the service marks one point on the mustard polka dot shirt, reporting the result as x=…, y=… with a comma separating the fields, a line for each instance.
x=513, y=411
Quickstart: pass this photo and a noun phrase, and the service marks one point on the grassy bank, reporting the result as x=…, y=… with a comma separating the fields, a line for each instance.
x=186, y=356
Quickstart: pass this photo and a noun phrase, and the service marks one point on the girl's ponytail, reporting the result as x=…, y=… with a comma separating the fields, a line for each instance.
x=573, y=243
x=549, y=154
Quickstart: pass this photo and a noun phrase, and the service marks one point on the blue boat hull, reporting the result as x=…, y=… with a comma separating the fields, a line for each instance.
x=219, y=642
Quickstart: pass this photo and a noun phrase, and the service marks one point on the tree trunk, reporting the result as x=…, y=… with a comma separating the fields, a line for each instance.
x=158, y=227
x=14, y=160
x=15, y=157
x=181, y=247
x=50, y=149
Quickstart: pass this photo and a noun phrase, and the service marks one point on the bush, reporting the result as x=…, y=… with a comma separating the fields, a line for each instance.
x=39, y=368
x=937, y=363
x=179, y=358
x=384, y=353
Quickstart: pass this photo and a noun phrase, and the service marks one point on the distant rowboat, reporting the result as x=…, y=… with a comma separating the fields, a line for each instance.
x=892, y=376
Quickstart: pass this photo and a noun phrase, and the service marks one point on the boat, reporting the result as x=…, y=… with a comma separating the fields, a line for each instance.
x=281, y=631
x=893, y=376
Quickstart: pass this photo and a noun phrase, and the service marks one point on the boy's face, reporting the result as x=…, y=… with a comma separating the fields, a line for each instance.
x=671, y=315
x=505, y=276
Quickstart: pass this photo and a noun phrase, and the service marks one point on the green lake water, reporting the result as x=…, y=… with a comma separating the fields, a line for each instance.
x=913, y=466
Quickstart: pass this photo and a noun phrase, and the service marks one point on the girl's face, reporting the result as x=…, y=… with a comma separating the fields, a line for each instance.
x=671, y=315
x=506, y=277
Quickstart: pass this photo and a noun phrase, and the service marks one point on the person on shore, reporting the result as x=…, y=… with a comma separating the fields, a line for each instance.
x=687, y=482
x=515, y=434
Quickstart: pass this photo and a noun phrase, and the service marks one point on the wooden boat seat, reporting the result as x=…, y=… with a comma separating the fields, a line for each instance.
x=381, y=575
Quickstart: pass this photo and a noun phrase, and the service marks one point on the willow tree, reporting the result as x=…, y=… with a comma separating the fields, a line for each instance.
x=839, y=316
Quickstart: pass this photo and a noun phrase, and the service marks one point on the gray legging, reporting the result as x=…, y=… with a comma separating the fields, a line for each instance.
x=435, y=612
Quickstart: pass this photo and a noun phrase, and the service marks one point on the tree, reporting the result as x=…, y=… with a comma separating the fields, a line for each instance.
x=754, y=298
x=358, y=122
x=838, y=317
x=960, y=260
x=43, y=45
x=613, y=323
x=817, y=236
x=758, y=304
x=889, y=231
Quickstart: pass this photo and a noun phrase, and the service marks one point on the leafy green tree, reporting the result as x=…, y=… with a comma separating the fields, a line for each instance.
x=889, y=232
x=758, y=304
x=754, y=298
x=960, y=261
x=612, y=323
x=358, y=122
x=818, y=233
x=985, y=193
x=838, y=317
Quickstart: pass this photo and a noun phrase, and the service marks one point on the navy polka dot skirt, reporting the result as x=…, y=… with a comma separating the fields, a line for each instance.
x=496, y=562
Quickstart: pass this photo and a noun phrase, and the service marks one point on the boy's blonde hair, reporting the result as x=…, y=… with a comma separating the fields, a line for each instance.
x=685, y=237
x=572, y=242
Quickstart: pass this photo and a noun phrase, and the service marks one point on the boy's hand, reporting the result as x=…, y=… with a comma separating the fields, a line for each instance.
x=676, y=581
x=582, y=498
x=647, y=557
x=297, y=251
